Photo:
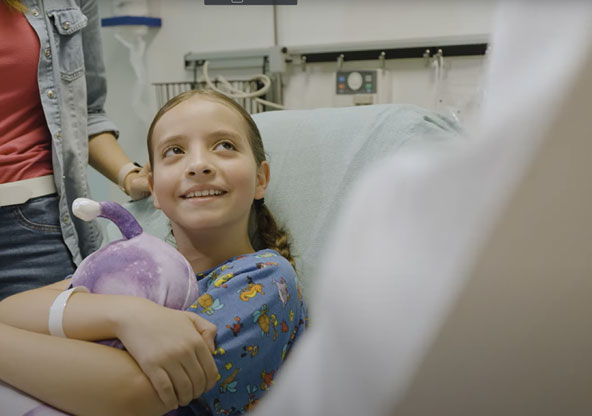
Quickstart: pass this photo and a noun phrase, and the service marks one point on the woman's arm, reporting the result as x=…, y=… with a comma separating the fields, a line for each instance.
x=76, y=376
x=107, y=157
x=105, y=153
x=173, y=348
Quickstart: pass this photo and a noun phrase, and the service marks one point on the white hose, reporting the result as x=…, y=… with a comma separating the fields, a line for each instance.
x=233, y=92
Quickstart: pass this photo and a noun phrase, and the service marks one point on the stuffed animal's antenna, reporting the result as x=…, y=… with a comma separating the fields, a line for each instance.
x=87, y=209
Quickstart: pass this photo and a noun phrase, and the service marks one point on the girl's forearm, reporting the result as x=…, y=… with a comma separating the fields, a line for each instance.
x=30, y=309
x=86, y=316
x=78, y=377
x=158, y=340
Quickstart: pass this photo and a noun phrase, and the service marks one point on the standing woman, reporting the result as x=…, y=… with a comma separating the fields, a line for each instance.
x=52, y=124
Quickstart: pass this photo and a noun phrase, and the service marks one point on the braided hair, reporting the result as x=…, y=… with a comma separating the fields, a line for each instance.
x=268, y=234
x=264, y=231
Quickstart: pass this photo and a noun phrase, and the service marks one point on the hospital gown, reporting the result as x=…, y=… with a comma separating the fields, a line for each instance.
x=256, y=303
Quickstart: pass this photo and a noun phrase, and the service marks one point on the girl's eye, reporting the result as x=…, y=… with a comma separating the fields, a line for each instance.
x=173, y=150
x=225, y=145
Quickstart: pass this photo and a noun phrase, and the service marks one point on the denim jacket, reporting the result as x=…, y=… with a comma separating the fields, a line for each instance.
x=72, y=85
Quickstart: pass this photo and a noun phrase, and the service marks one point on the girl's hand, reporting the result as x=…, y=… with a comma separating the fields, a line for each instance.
x=173, y=348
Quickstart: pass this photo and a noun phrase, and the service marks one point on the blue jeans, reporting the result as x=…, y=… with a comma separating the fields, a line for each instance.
x=32, y=250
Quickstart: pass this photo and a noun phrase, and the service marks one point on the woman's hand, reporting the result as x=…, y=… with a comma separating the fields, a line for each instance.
x=136, y=184
x=173, y=348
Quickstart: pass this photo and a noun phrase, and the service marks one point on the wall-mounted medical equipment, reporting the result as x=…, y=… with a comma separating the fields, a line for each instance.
x=256, y=77
x=364, y=73
x=260, y=91
x=355, y=82
x=361, y=87
x=167, y=90
x=366, y=51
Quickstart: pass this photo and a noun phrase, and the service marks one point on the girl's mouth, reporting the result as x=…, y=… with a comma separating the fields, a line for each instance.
x=207, y=192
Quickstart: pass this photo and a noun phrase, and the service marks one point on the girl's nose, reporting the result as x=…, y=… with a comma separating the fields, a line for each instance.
x=199, y=165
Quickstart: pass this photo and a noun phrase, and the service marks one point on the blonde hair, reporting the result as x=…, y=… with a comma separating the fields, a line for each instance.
x=16, y=5
x=266, y=233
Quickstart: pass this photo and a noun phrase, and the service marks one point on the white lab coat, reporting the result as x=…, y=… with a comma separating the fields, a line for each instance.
x=392, y=317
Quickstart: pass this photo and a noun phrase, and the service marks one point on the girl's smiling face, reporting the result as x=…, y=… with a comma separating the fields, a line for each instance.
x=204, y=175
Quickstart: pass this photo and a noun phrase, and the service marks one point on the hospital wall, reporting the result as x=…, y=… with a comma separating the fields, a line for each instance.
x=191, y=26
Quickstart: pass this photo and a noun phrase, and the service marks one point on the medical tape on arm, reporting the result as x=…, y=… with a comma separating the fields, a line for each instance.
x=56, y=311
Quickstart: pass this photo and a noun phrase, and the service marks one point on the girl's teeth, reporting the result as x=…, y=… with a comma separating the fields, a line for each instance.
x=203, y=193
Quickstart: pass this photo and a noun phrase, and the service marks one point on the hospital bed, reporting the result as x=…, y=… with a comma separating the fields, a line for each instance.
x=515, y=338
x=508, y=345
x=316, y=156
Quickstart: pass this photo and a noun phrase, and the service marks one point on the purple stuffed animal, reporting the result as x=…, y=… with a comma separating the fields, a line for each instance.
x=138, y=265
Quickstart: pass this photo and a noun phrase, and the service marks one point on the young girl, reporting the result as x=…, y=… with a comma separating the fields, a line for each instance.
x=209, y=176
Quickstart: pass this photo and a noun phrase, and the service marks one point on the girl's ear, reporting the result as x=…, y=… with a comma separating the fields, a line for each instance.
x=263, y=173
x=151, y=186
